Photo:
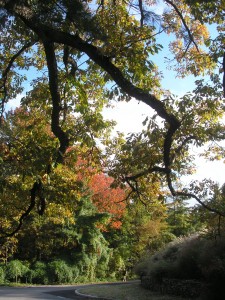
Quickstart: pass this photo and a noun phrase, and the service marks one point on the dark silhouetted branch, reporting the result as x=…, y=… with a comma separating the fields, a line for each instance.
x=184, y=22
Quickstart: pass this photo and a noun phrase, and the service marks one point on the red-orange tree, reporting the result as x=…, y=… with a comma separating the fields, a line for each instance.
x=108, y=199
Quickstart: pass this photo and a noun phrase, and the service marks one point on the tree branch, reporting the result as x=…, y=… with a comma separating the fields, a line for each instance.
x=56, y=100
x=190, y=195
x=141, y=11
x=36, y=189
x=51, y=35
x=184, y=22
x=56, y=36
x=224, y=74
x=104, y=62
x=146, y=172
x=7, y=70
x=184, y=142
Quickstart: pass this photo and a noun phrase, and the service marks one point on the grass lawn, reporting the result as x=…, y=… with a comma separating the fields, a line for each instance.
x=126, y=291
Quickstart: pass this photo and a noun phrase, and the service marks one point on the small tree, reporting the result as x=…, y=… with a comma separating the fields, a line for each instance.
x=15, y=269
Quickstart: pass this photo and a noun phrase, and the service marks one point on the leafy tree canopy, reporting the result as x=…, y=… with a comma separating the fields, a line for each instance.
x=87, y=53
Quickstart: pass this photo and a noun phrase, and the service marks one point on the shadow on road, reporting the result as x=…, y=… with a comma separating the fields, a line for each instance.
x=68, y=294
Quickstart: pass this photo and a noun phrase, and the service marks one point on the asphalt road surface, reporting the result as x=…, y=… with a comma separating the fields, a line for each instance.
x=40, y=293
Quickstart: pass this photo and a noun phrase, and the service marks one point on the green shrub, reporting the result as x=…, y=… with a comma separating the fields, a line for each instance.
x=102, y=268
x=162, y=269
x=141, y=269
x=212, y=258
x=179, y=259
x=163, y=264
x=188, y=258
x=212, y=264
x=2, y=275
x=194, y=257
x=39, y=273
x=75, y=274
x=60, y=272
x=182, y=257
x=15, y=270
x=116, y=264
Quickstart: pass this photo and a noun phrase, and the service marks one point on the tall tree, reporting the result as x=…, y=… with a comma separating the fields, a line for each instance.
x=101, y=44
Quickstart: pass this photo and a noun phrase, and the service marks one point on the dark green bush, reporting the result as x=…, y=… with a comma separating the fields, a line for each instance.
x=54, y=272
x=60, y=272
x=188, y=259
x=177, y=260
x=195, y=257
x=75, y=273
x=39, y=273
x=162, y=269
x=2, y=275
x=212, y=264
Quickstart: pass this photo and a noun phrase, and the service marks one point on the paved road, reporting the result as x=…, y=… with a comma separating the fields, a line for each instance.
x=40, y=293
x=46, y=292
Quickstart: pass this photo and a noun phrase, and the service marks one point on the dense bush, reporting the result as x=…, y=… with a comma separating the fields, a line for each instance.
x=194, y=257
x=2, y=275
x=16, y=270
x=39, y=273
x=84, y=269
x=60, y=272
x=57, y=271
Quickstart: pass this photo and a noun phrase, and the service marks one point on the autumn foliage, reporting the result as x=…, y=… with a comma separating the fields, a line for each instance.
x=107, y=198
x=104, y=195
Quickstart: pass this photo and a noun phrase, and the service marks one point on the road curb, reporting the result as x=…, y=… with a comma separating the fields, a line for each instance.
x=101, y=298
x=90, y=296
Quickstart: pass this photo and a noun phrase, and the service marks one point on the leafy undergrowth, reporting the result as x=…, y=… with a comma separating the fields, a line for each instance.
x=126, y=291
